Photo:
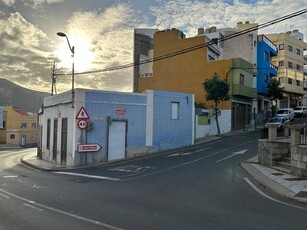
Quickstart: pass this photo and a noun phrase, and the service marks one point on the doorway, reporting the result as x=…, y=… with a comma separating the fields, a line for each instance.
x=117, y=140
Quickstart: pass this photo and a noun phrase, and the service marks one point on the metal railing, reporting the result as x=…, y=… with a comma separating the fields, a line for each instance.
x=303, y=136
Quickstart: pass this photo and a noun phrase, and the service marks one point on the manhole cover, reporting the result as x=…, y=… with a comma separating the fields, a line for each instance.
x=302, y=194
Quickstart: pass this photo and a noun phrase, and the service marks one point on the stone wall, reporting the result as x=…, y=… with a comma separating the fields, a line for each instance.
x=270, y=152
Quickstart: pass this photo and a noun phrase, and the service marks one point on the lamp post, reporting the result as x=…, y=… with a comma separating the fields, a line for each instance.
x=72, y=50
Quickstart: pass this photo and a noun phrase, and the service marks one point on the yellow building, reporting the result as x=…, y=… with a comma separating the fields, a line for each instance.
x=290, y=62
x=19, y=128
x=185, y=71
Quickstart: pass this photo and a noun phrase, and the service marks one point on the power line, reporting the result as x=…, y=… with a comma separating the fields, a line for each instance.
x=193, y=48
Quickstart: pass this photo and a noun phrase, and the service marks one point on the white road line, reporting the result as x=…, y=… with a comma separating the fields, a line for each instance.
x=271, y=198
x=10, y=176
x=33, y=207
x=7, y=197
x=108, y=226
x=87, y=175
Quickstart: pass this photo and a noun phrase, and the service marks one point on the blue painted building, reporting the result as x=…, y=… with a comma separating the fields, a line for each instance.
x=103, y=126
x=265, y=71
x=265, y=51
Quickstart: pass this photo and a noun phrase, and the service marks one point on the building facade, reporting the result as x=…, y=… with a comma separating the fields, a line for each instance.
x=105, y=126
x=290, y=61
x=187, y=72
x=19, y=128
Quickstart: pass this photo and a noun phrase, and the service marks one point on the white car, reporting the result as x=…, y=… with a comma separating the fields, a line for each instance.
x=300, y=111
x=286, y=112
x=279, y=121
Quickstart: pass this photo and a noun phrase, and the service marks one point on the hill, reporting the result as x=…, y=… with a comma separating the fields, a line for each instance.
x=17, y=96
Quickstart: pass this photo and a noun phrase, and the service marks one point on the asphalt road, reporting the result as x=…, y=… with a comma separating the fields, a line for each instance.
x=199, y=187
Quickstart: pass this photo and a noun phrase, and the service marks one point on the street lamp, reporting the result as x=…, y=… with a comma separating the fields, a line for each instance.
x=72, y=50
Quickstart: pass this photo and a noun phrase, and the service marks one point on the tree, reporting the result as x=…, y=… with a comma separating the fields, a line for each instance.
x=217, y=91
x=275, y=92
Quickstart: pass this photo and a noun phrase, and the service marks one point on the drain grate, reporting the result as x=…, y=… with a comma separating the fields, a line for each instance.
x=295, y=179
x=302, y=194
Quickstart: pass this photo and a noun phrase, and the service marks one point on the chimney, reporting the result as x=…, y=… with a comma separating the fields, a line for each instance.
x=201, y=31
x=213, y=29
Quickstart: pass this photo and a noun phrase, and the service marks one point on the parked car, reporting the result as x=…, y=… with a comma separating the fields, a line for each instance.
x=280, y=121
x=286, y=112
x=300, y=111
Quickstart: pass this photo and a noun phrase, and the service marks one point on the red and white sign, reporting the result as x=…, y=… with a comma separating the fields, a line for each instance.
x=88, y=148
x=82, y=124
x=82, y=114
x=121, y=111
x=59, y=114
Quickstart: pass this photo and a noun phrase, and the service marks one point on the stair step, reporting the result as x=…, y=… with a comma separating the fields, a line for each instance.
x=282, y=169
x=284, y=164
x=287, y=159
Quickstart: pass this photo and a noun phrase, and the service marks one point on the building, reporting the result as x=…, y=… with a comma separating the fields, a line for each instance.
x=198, y=59
x=290, y=61
x=142, y=51
x=18, y=128
x=105, y=126
x=267, y=50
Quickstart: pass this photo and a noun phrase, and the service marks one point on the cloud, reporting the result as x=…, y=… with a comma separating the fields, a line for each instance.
x=23, y=56
x=38, y=3
x=189, y=15
x=7, y=2
x=111, y=40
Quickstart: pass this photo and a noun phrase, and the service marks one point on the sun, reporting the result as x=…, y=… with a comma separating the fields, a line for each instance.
x=83, y=57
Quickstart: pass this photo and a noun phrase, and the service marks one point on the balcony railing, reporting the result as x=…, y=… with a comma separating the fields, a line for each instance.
x=242, y=90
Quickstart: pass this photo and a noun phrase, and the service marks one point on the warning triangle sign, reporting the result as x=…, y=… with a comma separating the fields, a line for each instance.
x=82, y=114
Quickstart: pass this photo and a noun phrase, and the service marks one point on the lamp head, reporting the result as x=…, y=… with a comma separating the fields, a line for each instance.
x=61, y=34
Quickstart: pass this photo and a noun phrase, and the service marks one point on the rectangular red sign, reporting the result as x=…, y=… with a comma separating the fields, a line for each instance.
x=89, y=148
x=121, y=111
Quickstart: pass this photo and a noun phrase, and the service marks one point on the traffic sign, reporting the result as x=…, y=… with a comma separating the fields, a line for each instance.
x=82, y=114
x=88, y=148
x=82, y=124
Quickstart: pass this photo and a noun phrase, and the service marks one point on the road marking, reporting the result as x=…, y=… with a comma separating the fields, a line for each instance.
x=87, y=175
x=187, y=153
x=232, y=155
x=10, y=176
x=108, y=226
x=7, y=197
x=271, y=198
x=33, y=207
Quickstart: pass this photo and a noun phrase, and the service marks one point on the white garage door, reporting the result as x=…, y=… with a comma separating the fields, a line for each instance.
x=117, y=140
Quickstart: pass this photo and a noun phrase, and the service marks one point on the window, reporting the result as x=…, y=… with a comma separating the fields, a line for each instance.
x=290, y=81
x=281, y=63
x=34, y=125
x=298, y=67
x=266, y=56
x=241, y=79
x=281, y=80
x=175, y=110
x=266, y=78
x=281, y=46
x=290, y=64
x=298, y=83
x=33, y=137
x=23, y=125
x=290, y=48
x=48, y=134
x=298, y=51
x=12, y=136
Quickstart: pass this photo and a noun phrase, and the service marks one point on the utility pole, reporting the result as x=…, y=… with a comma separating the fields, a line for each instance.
x=53, y=79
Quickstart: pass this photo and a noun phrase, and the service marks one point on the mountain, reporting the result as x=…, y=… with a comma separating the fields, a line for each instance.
x=17, y=96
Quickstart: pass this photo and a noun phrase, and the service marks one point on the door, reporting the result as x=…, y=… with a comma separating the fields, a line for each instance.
x=55, y=139
x=117, y=140
x=64, y=141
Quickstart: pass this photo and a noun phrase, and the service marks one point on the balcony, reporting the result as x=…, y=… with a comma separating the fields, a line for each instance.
x=242, y=90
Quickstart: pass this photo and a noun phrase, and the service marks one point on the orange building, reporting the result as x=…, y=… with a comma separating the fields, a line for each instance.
x=19, y=128
x=187, y=71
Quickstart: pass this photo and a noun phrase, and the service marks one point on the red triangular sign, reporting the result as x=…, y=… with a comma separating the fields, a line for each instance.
x=82, y=114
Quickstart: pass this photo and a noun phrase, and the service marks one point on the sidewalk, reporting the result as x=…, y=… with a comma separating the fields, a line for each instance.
x=280, y=183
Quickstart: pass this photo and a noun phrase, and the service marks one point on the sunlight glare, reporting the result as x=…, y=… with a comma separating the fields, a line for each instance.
x=83, y=56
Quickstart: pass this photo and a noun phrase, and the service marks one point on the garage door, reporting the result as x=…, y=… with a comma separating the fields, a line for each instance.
x=117, y=140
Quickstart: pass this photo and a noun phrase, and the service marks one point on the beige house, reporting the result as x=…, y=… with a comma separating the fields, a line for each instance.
x=19, y=128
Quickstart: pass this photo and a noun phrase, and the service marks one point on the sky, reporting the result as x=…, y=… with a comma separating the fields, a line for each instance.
x=101, y=32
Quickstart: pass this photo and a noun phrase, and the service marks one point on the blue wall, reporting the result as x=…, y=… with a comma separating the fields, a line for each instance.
x=99, y=105
x=168, y=133
x=264, y=66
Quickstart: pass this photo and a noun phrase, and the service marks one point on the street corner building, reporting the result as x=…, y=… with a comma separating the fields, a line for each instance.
x=100, y=126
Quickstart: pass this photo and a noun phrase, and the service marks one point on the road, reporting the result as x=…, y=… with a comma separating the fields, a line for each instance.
x=199, y=187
